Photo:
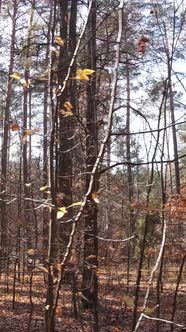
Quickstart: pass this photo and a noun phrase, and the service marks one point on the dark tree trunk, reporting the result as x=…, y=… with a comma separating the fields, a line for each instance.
x=64, y=156
x=26, y=123
x=174, y=134
x=5, y=147
x=90, y=282
x=65, y=153
x=45, y=145
x=129, y=170
x=52, y=230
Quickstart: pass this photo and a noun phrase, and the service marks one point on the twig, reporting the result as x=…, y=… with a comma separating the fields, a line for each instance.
x=161, y=320
x=151, y=275
x=141, y=163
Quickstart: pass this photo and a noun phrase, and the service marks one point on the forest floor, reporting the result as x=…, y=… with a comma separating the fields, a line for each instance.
x=24, y=309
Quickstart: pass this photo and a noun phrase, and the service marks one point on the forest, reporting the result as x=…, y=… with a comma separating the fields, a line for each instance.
x=93, y=165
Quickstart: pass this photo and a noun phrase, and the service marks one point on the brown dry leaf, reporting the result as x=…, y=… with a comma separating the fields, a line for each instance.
x=58, y=311
x=98, y=272
x=41, y=268
x=133, y=205
x=115, y=329
x=14, y=127
x=20, y=222
x=90, y=257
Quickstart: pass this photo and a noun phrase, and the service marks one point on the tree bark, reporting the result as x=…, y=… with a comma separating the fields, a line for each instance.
x=90, y=282
x=5, y=144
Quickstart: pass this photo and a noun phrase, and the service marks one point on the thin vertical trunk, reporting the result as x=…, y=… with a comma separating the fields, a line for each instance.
x=174, y=134
x=129, y=169
x=65, y=153
x=52, y=236
x=159, y=287
x=26, y=121
x=46, y=103
x=64, y=157
x=90, y=282
x=5, y=147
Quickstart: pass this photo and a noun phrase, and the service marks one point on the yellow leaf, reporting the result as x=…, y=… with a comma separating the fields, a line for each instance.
x=43, y=78
x=82, y=74
x=149, y=311
x=76, y=204
x=31, y=252
x=16, y=76
x=85, y=72
x=30, y=131
x=94, y=196
x=128, y=300
x=59, y=40
x=66, y=113
x=28, y=184
x=24, y=83
x=81, y=77
x=61, y=212
x=68, y=105
x=43, y=188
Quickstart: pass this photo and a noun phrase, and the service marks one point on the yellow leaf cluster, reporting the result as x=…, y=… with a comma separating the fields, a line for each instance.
x=17, y=76
x=83, y=74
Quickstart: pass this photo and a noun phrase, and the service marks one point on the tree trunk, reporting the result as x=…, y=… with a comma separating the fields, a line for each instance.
x=129, y=171
x=46, y=103
x=65, y=153
x=90, y=282
x=5, y=147
x=26, y=122
x=174, y=134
